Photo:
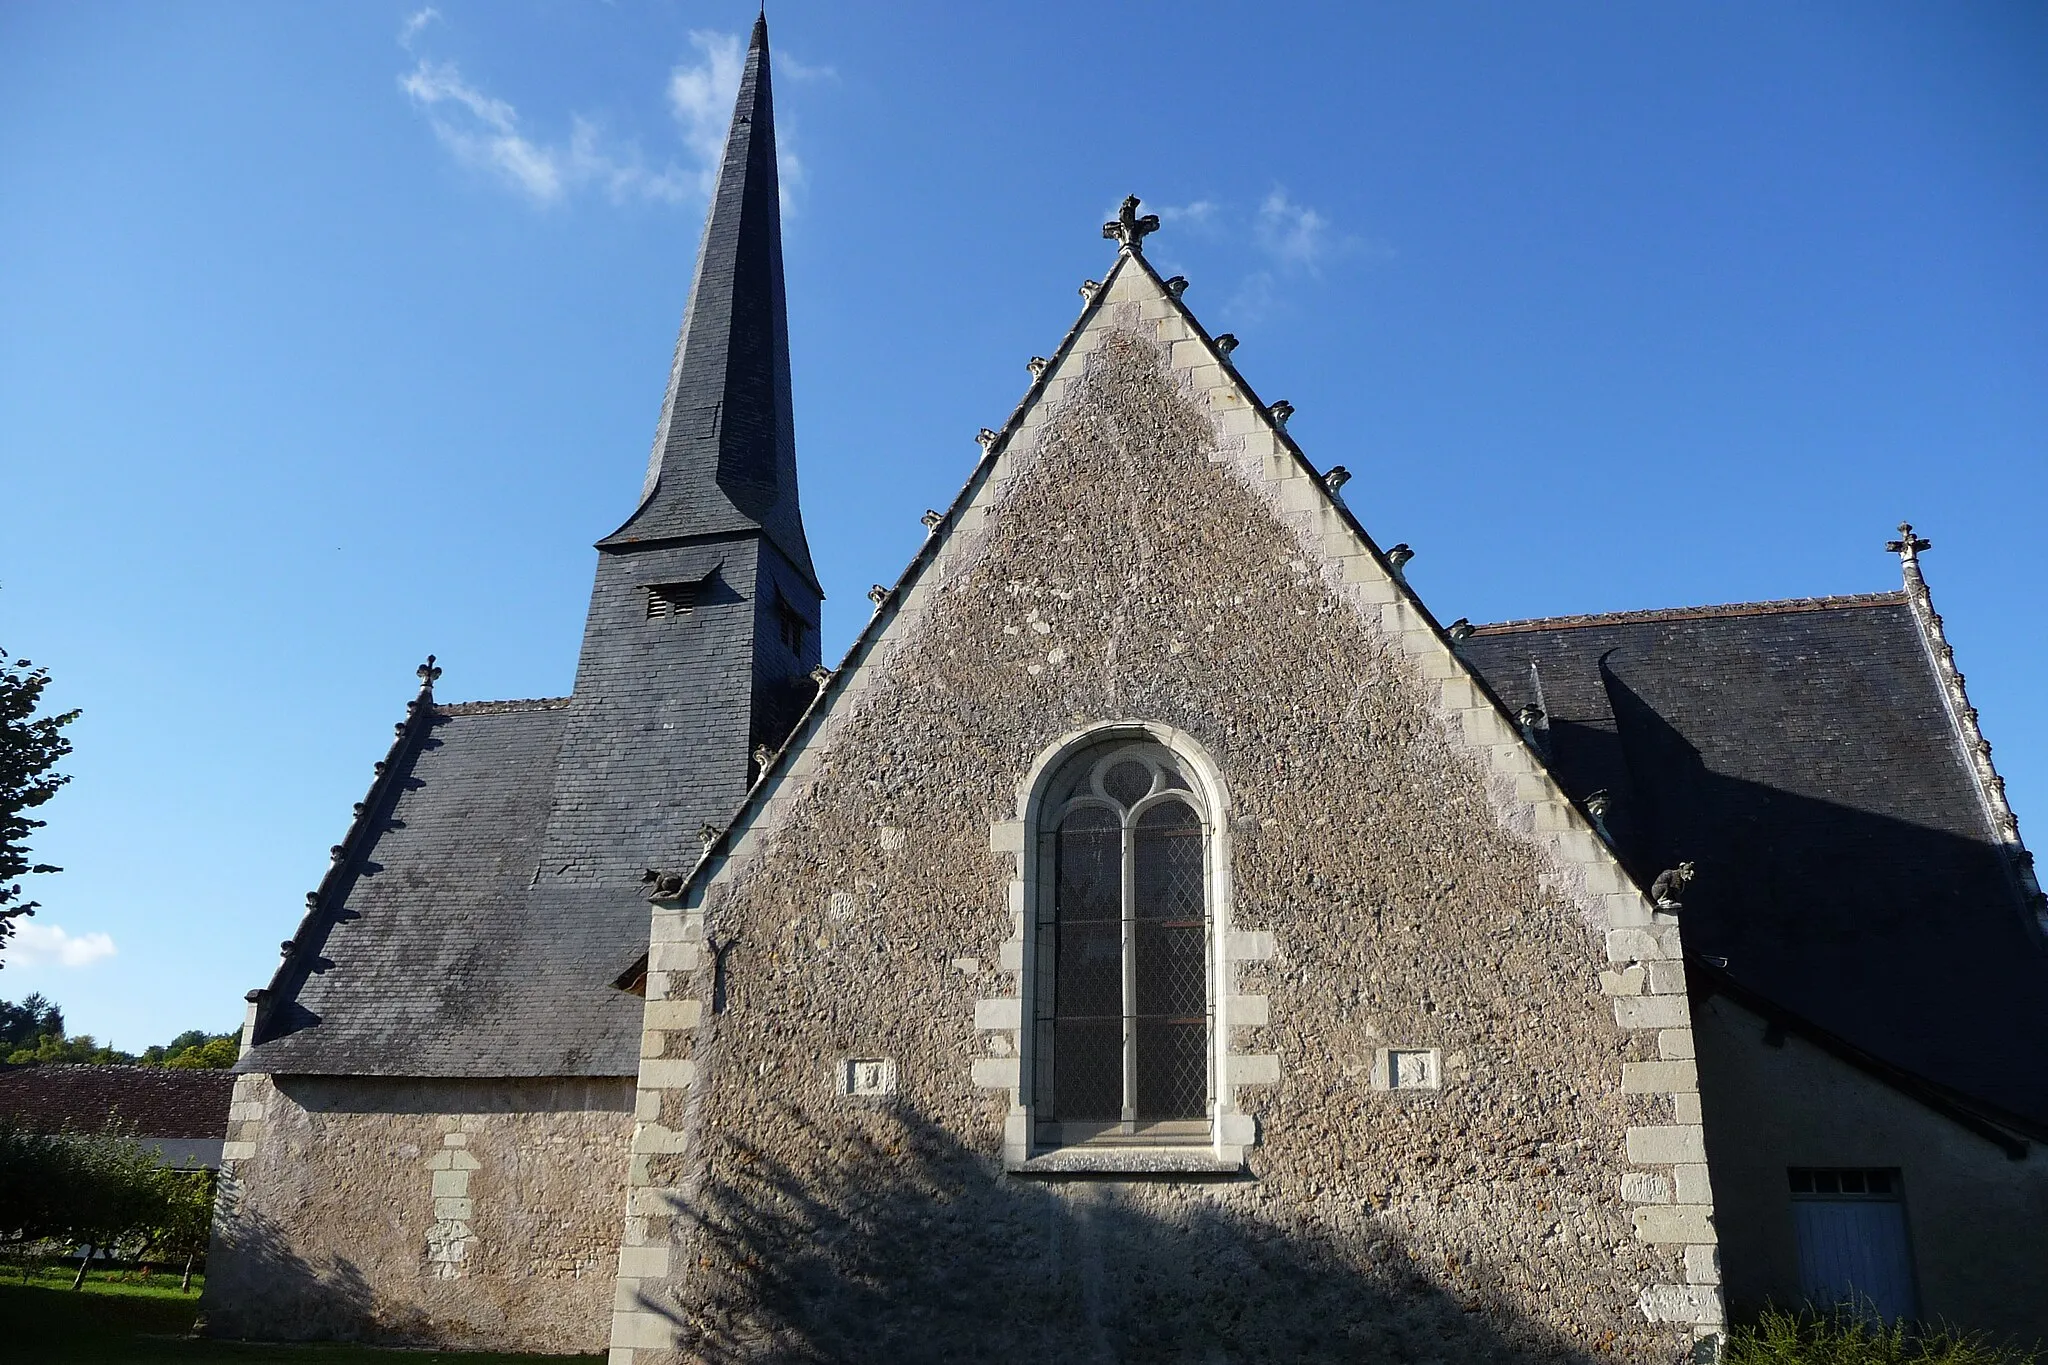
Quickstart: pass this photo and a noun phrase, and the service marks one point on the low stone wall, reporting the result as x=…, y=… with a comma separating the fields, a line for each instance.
x=478, y=1214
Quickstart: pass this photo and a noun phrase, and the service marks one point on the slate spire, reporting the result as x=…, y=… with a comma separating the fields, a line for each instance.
x=724, y=458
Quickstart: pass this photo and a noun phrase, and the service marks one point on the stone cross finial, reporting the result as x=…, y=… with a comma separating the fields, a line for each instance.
x=428, y=674
x=1129, y=229
x=1908, y=546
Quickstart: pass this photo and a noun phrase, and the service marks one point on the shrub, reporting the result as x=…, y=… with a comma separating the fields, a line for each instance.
x=1844, y=1336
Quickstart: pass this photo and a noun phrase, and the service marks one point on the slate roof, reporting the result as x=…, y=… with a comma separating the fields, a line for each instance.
x=488, y=894
x=436, y=953
x=724, y=455
x=158, y=1102
x=1802, y=755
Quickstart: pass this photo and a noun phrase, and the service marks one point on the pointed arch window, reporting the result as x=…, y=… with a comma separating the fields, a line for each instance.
x=1123, y=1000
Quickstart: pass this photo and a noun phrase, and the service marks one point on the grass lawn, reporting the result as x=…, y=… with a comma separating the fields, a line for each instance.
x=143, y=1323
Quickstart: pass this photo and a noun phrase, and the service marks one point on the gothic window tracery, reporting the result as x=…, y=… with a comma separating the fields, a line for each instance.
x=1123, y=1006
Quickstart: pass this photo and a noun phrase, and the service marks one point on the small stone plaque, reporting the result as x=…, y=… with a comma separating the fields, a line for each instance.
x=1411, y=1069
x=868, y=1076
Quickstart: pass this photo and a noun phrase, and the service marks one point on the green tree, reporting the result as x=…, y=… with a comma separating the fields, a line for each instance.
x=81, y=1048
x=96, y=1190
x=214, y=1054
x=30, y=747
x=21, y=1025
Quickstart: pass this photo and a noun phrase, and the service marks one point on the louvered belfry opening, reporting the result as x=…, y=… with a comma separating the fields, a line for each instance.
x=1122, y=1001
x=671, y=599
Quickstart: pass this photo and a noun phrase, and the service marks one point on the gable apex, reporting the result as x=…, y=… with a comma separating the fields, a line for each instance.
x=1327, y=533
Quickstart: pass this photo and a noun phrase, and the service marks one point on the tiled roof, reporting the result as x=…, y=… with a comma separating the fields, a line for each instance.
x=157, y=1102
x=1801, y=754
x=1709, y=613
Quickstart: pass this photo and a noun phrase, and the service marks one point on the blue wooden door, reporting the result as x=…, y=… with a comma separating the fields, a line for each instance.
x=1853, y=1250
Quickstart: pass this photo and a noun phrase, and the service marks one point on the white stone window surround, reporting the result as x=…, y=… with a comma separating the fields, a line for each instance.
x=1007, y=1018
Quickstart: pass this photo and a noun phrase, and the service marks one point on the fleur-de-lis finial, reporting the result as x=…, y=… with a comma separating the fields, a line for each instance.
x=428, y=674
x=1129, y=229
x=1908, y=546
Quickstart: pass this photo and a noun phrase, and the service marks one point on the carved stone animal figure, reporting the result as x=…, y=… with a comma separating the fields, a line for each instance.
x=1668, y=891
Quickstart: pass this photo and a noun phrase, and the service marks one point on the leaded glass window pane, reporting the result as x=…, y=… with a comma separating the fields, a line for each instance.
x=1122, y=1036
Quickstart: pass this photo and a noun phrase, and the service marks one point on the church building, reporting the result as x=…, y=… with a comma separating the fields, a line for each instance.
x=1158, y=939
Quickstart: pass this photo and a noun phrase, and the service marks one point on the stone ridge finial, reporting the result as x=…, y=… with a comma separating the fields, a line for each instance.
x=1908, y=546
x=428, y=674
x=1129, y=229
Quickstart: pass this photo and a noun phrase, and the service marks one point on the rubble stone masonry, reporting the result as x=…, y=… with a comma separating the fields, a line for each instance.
x=472, y=1214
x=1403, y=878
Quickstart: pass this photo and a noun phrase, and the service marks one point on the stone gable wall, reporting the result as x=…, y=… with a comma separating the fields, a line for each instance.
x=467, y=1214
x=1119, y=567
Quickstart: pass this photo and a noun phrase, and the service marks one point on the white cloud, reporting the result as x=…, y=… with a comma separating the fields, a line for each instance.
x=414, y=22
x=481, y=130
x=701, y=98
x=45, y=945
x=786, y=64
x=485, y=132
x=1201, y=214
x=1294, y=234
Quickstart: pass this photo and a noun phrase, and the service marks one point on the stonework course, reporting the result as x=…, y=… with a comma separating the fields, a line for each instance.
x=1127, y=559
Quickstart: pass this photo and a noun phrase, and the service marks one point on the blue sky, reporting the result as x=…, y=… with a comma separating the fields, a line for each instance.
x=334, y=335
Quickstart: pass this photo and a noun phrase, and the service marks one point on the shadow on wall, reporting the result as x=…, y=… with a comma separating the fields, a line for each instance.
x=259, y=1288
x=900, y=1244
